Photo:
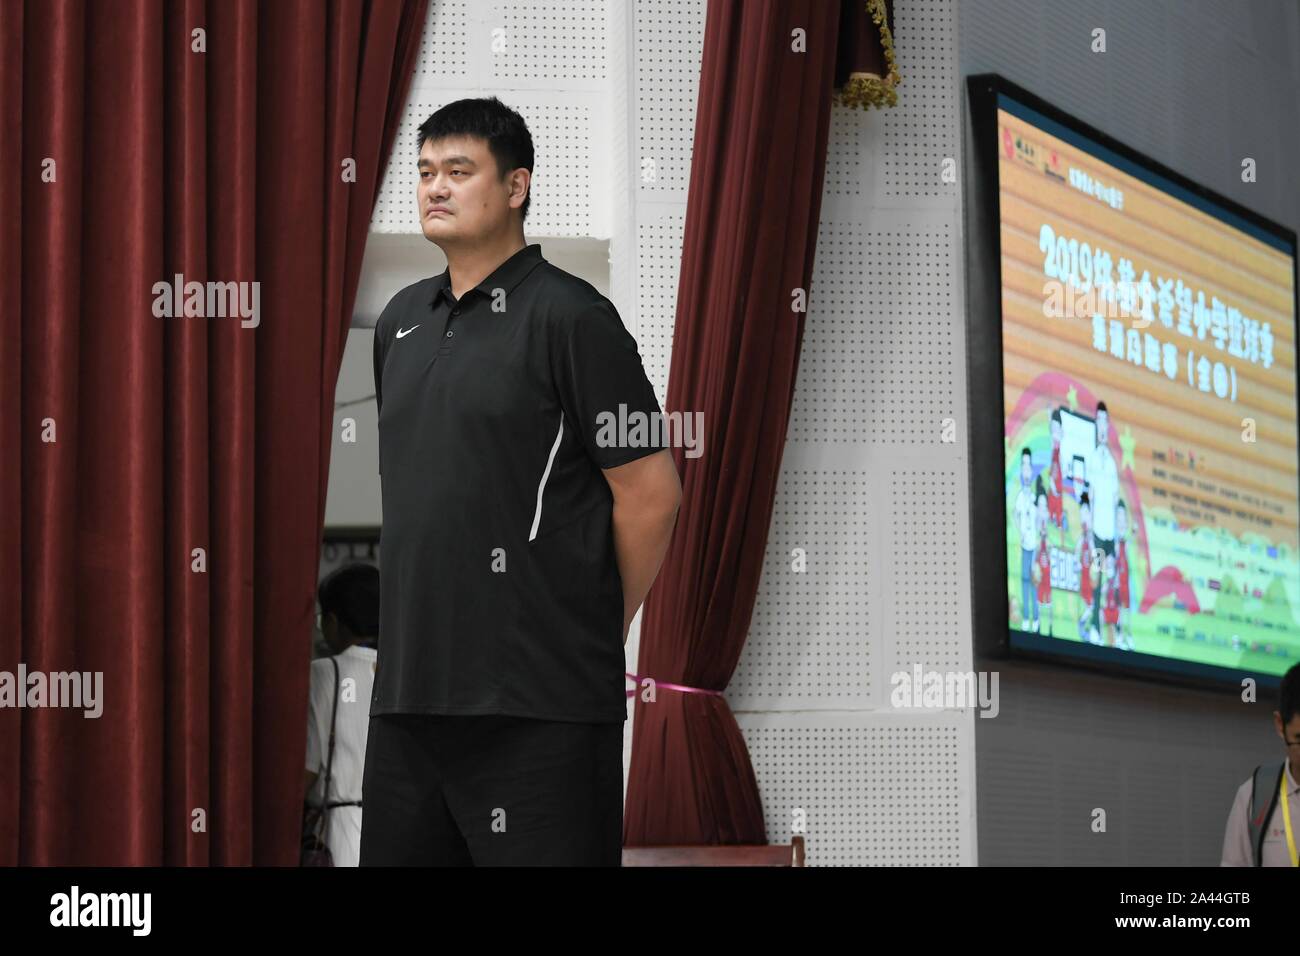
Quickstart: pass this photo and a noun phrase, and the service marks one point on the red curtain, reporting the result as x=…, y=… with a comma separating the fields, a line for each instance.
x=751, y=230
x=140, y=140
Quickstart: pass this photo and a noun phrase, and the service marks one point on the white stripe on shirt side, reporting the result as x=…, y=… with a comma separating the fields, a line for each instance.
x=537, y=515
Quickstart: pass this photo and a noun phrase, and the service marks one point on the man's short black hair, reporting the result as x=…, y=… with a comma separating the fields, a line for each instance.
x=1025, y=451
x=1288, y=695
x=1056, y=414
x=351, y=594
x=1120, y=504
x=1101, y=407
x=486, y=118
x=1083, y=500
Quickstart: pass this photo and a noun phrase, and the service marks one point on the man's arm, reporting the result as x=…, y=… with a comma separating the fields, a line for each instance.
x=647, y=493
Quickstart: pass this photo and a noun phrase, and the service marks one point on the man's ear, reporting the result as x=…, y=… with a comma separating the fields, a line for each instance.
x=525, y=176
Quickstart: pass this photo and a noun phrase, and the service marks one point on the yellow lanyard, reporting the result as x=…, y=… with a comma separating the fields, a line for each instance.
x=1286, y=820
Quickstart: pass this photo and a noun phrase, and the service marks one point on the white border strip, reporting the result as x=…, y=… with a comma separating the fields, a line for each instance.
x=537, y=515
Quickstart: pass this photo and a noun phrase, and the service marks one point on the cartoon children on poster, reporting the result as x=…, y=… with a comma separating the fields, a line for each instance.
x=1043, y=560
x=1124, y=637
x=1083, y=555
x=1026, y=525
x=1098, y=546
x=1055, y=492
x=1110, y=601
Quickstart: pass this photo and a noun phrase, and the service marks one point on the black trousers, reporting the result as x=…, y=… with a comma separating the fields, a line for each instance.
x=491, y=791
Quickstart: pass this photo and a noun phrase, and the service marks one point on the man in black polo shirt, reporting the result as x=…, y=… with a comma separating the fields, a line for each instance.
x=519, y=535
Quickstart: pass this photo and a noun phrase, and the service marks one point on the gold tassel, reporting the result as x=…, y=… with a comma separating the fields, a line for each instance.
x=865, y=90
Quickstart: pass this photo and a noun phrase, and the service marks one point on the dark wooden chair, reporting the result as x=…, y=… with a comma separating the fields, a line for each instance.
x=771, y=854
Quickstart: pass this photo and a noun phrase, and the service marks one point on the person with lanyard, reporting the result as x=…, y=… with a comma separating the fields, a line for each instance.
x=1264, y=824
x=338, y=716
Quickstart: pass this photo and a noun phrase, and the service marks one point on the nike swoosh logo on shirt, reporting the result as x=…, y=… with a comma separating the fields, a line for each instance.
x=400, y=333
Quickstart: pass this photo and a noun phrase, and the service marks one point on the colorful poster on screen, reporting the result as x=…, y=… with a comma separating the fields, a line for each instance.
x=1150, y=411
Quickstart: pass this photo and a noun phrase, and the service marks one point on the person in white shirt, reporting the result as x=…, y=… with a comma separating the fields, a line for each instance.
x=1027, y=525
x=349, y=621
x=1261, y=831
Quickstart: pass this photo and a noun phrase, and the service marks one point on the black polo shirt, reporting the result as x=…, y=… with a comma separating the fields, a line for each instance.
x=499, y=589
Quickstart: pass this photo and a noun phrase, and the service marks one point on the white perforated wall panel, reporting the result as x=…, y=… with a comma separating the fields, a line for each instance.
x=668, y=46
x=875, y=365
x=557, y=44
x=872, y=492
x=660, y=227
x=920, y=131
x=867, y=789
x=829, y=514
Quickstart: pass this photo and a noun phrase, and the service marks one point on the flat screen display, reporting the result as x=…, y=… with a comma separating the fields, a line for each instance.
x=1149, y=405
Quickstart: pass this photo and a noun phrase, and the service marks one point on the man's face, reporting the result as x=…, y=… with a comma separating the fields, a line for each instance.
x=461, y=196
x=1121, y=522
x=1055, y=428
x=1290, y=733
x=1026, y=469
x=1103, y=420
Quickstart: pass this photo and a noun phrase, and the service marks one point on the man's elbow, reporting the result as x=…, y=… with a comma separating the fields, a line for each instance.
x=672, y=493
x=668, y=494
x=659, y=500
x=649, y=486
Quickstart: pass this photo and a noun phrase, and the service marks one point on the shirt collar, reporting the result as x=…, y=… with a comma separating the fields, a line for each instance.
x=505, y=276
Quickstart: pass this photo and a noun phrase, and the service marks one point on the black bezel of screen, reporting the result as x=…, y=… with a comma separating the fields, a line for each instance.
x=990, y=624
